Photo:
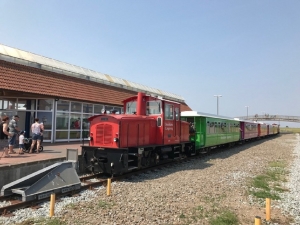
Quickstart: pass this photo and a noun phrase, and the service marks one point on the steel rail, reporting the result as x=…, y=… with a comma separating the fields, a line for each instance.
x=89, y=185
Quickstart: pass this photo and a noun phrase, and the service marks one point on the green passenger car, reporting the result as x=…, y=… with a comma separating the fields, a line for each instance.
x=209, y=131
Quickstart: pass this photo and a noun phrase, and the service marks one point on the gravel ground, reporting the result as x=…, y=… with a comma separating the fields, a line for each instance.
x=191, y=192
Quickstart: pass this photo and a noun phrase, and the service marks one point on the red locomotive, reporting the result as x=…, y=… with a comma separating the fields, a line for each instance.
x=150, y=130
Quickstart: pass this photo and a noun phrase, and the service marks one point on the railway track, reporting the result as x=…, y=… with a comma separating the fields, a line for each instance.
x=89, y=182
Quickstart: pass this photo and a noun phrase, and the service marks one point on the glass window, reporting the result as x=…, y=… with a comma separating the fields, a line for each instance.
x=177, y=113
x=21, y=104
x=131, y=107
x=75, y=134
x=158, y=121
x=61, y=135
x=98, y=109
x=26, y=104
x=85, y=122
x=62, y=120
x=47, y=135
x=10, y=114
x=118, y=110
x=75, y=121
x=108, y=109
x=46, y=119
x=153, y=107
x=85, y=125
x=63, y=105
x=169, y=112
x=8, y=103
x=211, y=127
x=87, y=108
x=111, y=109
x=76, y=107
x=45, y=104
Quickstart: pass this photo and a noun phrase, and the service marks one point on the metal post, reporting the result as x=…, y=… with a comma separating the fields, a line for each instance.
x=268, y=209
x=82, y=131
x=247, y=110
x=108, y=189
x=52, y=204
x=257, y=220
x=217, y=102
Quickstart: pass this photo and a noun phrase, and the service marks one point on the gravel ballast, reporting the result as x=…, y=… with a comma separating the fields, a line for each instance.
x=189, y=193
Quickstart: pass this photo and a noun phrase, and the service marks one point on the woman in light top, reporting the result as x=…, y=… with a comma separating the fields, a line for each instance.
x=36, y=129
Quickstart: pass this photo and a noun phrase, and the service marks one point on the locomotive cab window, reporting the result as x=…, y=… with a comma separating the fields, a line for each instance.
x=169, y=112
x=177, y=114
x=130, y=107
x=153, y=107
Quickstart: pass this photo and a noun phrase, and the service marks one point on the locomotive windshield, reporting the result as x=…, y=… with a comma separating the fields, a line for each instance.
x=131, y=107
x=153, y=107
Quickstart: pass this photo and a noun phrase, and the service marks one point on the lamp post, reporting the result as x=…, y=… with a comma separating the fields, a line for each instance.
x=247, y=110
x=217, y=102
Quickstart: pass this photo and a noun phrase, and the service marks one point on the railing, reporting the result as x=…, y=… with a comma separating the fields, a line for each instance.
x=270, y=117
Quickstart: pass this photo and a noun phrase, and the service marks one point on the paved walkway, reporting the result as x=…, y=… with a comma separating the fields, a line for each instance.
x=51, y=151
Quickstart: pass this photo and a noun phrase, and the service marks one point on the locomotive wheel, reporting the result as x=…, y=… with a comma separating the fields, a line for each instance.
x=146, y=161
x=154, y=159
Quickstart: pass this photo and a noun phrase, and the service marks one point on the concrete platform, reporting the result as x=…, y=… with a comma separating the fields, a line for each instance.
x=18, y=166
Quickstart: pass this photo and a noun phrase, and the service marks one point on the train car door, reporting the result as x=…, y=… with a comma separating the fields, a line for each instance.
x=170, y=128
x=200, y=125
x=177, y=122
x=242, y=128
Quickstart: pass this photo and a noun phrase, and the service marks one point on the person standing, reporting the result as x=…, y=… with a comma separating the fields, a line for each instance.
x=4, y=135
x=21, y=142
x=13, y=130
x=36, y=129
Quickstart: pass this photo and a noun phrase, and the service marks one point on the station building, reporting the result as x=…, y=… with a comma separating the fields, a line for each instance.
x=61, y=95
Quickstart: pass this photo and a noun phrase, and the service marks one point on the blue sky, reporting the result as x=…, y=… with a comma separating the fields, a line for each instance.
x=246, y=51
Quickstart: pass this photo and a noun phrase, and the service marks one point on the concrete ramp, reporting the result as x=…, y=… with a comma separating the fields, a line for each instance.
x=58, y=178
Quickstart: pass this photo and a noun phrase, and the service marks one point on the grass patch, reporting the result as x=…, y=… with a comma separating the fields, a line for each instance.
x=105, y=205
x=72, y=206
x=267, y=185
x=225, y=218
x=265, y=194
x=289, y=130
x=182, y=216
x=212, y=213
x=261, y=182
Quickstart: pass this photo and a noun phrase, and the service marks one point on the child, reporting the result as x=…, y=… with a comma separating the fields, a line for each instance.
x=21, y=142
